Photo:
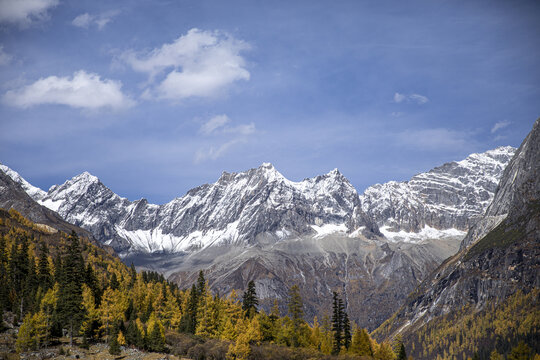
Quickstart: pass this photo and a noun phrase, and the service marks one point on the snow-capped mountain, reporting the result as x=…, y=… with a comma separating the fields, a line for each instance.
x=319, y=233
x=259, y=205
x=444, y=201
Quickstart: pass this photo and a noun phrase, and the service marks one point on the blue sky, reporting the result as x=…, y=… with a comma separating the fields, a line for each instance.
x=156, y=97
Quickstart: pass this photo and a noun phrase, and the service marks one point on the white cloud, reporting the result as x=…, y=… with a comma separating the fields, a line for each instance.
x=23, y=12
x=214, y=123
x=219, y=130
x=416, y=98
x=83, y=90
x=399, y=97
x=434, y=139
x=5, y=58
x=419, y=99
x=247, y=129
x=86, y=20
x=499, y=125
x=213, y=153
x=83, y=20
x=199, y=63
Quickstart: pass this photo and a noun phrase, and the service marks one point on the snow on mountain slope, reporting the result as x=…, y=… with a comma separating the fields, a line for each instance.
x=259, y=205
x=448, y=197
x=34, y=192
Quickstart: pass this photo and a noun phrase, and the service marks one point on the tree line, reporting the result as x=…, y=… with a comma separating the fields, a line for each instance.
x=70, y=287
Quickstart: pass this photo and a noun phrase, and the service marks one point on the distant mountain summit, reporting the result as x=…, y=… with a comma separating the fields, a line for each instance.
x=240, y=208
x=448, y=197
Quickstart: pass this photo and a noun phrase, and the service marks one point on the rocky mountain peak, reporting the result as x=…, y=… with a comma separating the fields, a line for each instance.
x=448, y=197
x=34, y=192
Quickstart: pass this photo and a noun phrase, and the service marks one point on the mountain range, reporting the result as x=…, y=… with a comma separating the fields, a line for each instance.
x=374, y=248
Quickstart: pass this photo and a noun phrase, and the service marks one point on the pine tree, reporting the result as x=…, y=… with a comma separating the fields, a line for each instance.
x=156, y=336
x=114, y=347
x=70, y=308
x=133, y=274
x=44, y=273
x=188, y=322
x=114, y=284
x=91, y=280
x=134, y=335
x=346, y=330
x=337, y=323
x=296, y=311
x=201, y=284
x=4, y=278
x=249, y=300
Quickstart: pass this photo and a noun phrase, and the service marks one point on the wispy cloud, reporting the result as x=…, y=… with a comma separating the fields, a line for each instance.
x=83, y=90
x=86, y=20
x=214, y=123
x=213, y=152
x=5, y=58
x=197, y=64
x=499, y=125
x=24, y=12
x=434, y=139
x=222, y=137
x=412, y=98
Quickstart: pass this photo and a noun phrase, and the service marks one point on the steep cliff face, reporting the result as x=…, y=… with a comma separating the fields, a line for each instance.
x=451, y=196
x=486, y=271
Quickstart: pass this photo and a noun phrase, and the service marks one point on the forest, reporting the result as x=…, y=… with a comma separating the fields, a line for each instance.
x=58, y=286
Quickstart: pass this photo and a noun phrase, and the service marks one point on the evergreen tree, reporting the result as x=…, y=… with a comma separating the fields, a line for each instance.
x=134, y=335
x=70, y=309
x=114, y=347
x=4, y=278
x=337, y=323
x=188, y=323
x=44, y=273
x=296, y=312
x=31, y=285
x=249, y=300
x=133, y=274
x=201, y=284
x=156, y=337
x=91, y=280
x=114, y=284
x=346, y=330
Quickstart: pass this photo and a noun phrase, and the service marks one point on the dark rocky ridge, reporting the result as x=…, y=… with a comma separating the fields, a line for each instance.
x=12, y=195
